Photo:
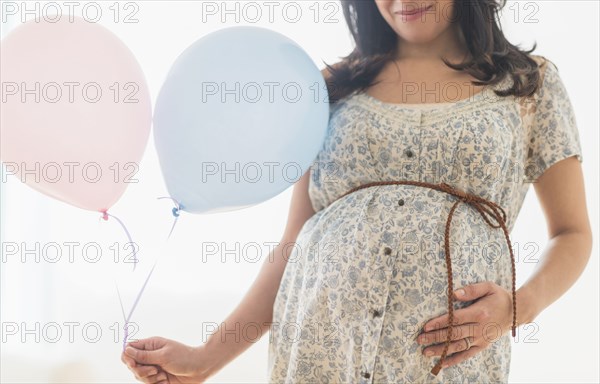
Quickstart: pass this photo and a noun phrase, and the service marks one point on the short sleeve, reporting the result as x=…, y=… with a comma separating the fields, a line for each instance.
x=553, y=134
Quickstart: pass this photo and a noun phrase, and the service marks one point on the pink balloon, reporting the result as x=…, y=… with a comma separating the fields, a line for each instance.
x=76, y=111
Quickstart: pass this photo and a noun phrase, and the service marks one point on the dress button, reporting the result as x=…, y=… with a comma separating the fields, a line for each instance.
x=401, y=202
x=387, y=250
x=409, y=153
x=366, y=375
x=376, y=313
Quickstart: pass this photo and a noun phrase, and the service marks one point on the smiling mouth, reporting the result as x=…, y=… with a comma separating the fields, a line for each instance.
x=413, y=11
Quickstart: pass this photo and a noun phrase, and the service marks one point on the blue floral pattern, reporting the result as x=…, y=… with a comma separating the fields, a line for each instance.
x=368, y=269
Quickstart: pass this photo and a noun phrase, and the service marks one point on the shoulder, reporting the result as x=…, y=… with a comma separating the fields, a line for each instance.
x=542, y=61
x=539, y=59
x=545, y=65
x=549, y=79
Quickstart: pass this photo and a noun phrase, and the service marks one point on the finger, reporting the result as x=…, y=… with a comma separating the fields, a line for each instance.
x=157, y=378
x=458, y=346
x=459, y=357
x=471, y=314
x=128, y=361
x=474, y=291
x=144, y=371
x=441, y=335
x=144, y=357
x=149, y=344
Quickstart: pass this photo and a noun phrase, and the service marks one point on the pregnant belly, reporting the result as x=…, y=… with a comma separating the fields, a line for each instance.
x=386, y=245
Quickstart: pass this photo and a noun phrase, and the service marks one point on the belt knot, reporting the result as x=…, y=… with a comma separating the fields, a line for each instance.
x=487, y=209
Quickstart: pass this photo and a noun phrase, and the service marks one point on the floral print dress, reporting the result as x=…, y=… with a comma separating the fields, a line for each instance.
x=368, y=270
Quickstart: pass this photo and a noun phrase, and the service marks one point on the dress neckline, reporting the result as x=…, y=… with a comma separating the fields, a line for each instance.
x=433, y=112
x=483, y=94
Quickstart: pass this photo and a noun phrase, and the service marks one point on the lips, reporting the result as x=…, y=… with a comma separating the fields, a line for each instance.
x=414, y=11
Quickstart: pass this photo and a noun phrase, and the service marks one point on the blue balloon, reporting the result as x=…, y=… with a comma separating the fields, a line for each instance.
x=240, y=118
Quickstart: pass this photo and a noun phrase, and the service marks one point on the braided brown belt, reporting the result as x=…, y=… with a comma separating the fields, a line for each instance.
x=487, y=209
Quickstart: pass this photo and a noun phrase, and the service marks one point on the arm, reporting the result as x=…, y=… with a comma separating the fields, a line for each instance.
x=157, y=359
x=257, y=305
x=561, y=193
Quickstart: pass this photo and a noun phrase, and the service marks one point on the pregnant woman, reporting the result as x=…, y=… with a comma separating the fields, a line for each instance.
x=438, y=127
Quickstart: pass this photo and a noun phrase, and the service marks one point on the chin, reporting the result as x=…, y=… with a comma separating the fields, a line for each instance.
x=416, y=35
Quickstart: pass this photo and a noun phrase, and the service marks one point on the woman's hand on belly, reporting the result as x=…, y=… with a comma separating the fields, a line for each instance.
x=483, y=322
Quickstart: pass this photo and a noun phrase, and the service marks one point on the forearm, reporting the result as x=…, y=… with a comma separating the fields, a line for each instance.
x=561, y=264
x=234, y=334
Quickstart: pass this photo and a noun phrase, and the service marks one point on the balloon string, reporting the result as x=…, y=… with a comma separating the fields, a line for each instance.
x=178, y=207
x=105, y=216
x=127, y=318
x=135, y=303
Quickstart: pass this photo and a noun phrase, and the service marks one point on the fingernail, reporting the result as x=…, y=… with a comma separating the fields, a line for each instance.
x=460, y=292
x=445, y=365
x=130, y=351
x=429, y=353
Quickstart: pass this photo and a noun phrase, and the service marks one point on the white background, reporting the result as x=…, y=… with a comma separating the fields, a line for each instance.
x=186, y=292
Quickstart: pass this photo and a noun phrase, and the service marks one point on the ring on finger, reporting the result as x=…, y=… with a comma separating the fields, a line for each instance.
x=468, y=341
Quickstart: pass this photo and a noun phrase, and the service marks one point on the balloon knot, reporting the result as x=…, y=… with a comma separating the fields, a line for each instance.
x=175, y=211
x=105, y=215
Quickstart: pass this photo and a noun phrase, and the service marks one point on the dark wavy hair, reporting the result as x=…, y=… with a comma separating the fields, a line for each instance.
x=493, y=57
